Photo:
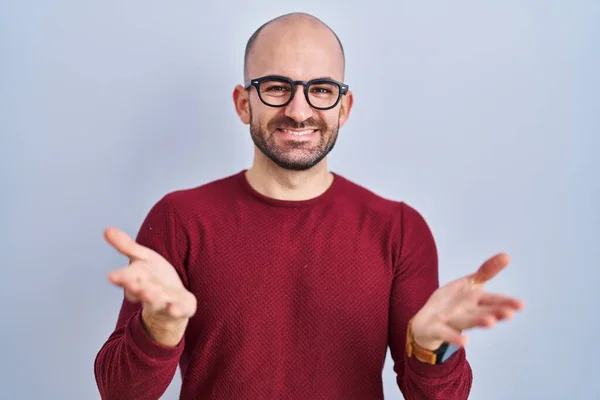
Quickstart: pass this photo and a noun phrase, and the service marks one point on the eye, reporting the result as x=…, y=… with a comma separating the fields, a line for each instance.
x=324, y=90
x=276, y=89
x=321, y=90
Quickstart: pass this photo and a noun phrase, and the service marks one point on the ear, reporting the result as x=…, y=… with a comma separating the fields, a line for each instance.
x=241, y=103
x=347, y=102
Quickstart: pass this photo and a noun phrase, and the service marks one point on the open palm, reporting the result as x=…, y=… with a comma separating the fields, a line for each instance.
x=463, y=304
x=150, y=279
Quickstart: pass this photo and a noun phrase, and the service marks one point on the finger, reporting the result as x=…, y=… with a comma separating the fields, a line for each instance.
x=474, y=319
x=467, y=315
x=502, y=313
x=174, y=302
x=183, y=305
x=500, y=300
x=175, y=310
x=125, y=245
x=490, y=268
x=117, y=278
x=489, y=316
x=127, y=276
x=156, y=299
x=131, y=296
x=138, y=282
x=481, y=317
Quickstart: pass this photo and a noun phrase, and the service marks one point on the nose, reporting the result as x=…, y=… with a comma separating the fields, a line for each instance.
x=298, y=109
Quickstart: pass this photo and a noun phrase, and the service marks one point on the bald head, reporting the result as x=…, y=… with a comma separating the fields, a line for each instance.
x=296, y=35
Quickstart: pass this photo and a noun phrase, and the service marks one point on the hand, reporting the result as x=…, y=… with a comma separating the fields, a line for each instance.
x=463, y=304
x=149, y=279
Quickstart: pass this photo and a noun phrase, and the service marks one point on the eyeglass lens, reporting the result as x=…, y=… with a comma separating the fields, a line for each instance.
x=320, y=94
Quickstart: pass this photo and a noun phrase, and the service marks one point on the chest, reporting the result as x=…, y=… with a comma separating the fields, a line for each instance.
x=321, y=268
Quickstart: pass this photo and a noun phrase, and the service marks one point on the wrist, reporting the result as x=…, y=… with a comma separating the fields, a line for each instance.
x=166, y=331
x=427, y=343
x=420, y=336
x=414, y=349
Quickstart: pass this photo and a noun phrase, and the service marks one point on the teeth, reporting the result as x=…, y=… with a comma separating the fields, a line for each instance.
x=298, y=133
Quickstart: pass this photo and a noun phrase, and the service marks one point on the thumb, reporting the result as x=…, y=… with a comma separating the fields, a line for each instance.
x=124, y=244
x=490, y=268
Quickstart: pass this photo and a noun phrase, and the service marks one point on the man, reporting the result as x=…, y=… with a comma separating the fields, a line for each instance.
x=286, y=280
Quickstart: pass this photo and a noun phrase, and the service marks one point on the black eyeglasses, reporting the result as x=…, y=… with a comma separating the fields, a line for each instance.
x=278, y=91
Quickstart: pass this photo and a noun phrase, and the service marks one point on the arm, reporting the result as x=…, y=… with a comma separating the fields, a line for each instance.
x=415, y=280
x=132, y=364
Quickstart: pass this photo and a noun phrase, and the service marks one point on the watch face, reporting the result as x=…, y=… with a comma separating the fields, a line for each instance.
x=450, y=351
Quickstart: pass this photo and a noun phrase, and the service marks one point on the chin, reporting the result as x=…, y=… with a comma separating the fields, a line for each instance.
x=295, y=164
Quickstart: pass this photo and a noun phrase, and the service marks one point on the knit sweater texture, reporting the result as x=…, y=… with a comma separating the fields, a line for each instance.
x=296, y=299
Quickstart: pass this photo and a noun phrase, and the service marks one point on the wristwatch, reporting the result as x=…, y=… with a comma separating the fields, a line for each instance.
x=433, y=357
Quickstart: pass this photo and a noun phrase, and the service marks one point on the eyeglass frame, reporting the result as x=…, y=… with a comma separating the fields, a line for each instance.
x=293, y=84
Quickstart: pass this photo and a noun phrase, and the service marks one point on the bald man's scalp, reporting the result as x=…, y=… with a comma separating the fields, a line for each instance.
x=292, y=18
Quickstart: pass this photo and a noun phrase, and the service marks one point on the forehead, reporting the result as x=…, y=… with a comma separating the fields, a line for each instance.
x=301, y=54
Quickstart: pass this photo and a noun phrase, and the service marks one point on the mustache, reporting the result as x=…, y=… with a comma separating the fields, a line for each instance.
x=289, y=123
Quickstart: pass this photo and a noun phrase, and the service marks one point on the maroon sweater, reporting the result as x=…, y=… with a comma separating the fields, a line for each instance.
x=296, y=299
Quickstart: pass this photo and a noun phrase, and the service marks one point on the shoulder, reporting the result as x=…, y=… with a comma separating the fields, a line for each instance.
x=361, y=196
x=186, y=202
x=406, y=219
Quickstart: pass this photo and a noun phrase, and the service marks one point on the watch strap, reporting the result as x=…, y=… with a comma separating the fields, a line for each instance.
x=414, y=349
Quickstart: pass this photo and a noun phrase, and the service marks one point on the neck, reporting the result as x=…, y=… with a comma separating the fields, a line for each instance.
x=272, y=181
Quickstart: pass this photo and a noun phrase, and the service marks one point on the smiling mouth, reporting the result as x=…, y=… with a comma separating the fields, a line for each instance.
x=298, y=132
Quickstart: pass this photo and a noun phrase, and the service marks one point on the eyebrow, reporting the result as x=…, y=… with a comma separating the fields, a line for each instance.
x=311, y=79
x=318, y=77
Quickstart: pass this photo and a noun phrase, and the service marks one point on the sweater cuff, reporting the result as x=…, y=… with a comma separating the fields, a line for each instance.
x=140, y=340
x=439, y=370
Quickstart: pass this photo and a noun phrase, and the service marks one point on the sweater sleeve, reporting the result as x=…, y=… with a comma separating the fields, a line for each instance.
x=415, y=279
x=130, y=365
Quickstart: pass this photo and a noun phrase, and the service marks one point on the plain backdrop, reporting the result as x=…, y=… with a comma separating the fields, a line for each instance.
x=484, y=116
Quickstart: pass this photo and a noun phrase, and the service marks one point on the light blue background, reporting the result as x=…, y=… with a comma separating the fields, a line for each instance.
x=485, y=116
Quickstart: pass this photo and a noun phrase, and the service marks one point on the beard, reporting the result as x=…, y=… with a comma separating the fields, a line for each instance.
x=293, y=155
